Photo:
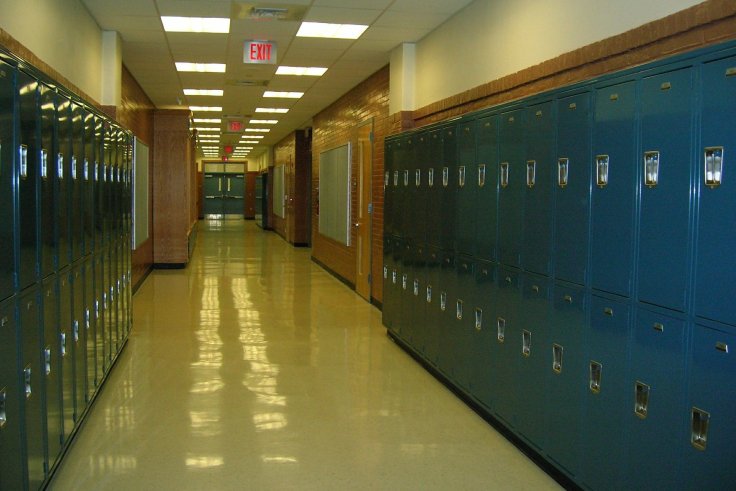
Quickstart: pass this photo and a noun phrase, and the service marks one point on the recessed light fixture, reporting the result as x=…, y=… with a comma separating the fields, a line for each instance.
x=205, y=120
x=264, y=121
x=257, y=130
x=212, y=92
x=249, y=141
x=283, y=95
x=206, y=108
x=332, y=31
x=206, y=129
x=312, y=71
x=196, y=24
x=184, y=66
x=252, y=137
x=278, y=110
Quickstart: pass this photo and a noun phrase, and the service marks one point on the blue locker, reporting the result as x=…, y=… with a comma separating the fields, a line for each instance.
x=665, y=163
x=567, y=366
x=48, y=171
x=656, y=422
x=613, y=174
x=52, y=367
x=79, y=341
x=12, y=465
x=90, y=331
x=62, y=191
x=486, y=210
x=88, y=182
x=75, y=183
x=432, y=307
x=572, y=188
x=466, y=177
x=710, y=452
x=462, y=336
x=540, y=154
x=419, y=183
x=448, y=187
x=434, y=189
x=27, y=167
x=506, y=351
x=8, y=179
x=483, y=381
x=511, y=180
x=608, y=403
x=417, y=335
x=66, y=349
x=716, y=278
x=29, y=306
x=446, y=321
x=532, y=352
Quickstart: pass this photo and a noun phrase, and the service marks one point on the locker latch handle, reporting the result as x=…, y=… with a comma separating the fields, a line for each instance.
x=27, y=381
x=478, y=318
x=567, y=298
x=430, y=177
x=47, y=360
x=404, y=280
x=658, y=326
x=23, y=155
x=608, y=311
x=641, y=399
x=526, y=343
x=722, y=347
x=418, y=177
x=406, y=177
x=651, y=168
x=74, y=168
x=563, y=169
x=595, y=372
x=396, y=178
x=501, y=329
x=713, y=173
x=385, y=180
x=87, y=321
x=385, y=273
x=445, y=176
x=443, y=301
x=75, y=331
x=416, y=288
x=601, y=170
x=531, y=173
x=481, y=175
x=504, y=176
x=699, y=422
x=60, y=165
x=393, y=276
x=429, y=293
x=461, y=176
x=3, y=411
x=44, y=164
x=557, y=351
x=63, y=344
x=459, y=310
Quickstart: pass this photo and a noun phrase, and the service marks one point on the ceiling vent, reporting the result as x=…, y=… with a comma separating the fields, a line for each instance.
x=247, y=83
x=268, y=11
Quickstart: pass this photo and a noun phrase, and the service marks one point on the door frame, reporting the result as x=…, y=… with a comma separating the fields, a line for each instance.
x=364, y=217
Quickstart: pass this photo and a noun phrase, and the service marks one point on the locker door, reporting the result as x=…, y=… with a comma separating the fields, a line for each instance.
x=7, y=181
x=505, y=354
x=418, y=283
x=394, y=282
x=567, y=366
x=90, y=331
x=656, y=422
x=613, y=173
x=486, y=218
x=710, y=451
x=540, y=154
x=234, y=194
x=63, y=184
x=446, y=292
x=112, y=313
x=101, y=338
x=434, y=189
x=79, y=342
x=409, y=189
x=77, y=168
x=97, y=185
x=466, y=179
x=664, y=235
x=33, y=385
x=106, y=194
x=432, y=307
x=463, y=304
x=406, y=267
x=66, y=348
x=483, y=381
x=52, y=367
x=511, y=179
x=27, y=157
x=88, y=182
x=608, y=401
x=387, y=308
x=419, y=206
x=572, y=188
x=448, y=182
x=715, y=278
x=399, y=191
x=388, y=196
x=532, y=355
x=48, y=171
x=12, y=465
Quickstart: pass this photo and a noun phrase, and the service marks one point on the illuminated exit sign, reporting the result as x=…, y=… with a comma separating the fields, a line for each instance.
x=263, y=52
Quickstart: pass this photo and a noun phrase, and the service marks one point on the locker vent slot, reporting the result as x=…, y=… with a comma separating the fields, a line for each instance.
x=445, y=176
x=651, y=168
x=557, y=351
x=443, y=301
x=501, y=329
x=481, y=175
x=504, y=174
x=699, y=422
x=47, y=360
x=23, y=156
x=418, y=177
x=416, y=288
x=594, y=380
x=563, y=170
x=27, y=381
x=478, y=318
x=429, y=293
x=713, y=166
x=459, y=310
x=641, y=399
x=3, y=411
x=601, y=170
x=430, y=178
x=461, y=176
x=531, y=173
x=526, y=343
x=44, y=164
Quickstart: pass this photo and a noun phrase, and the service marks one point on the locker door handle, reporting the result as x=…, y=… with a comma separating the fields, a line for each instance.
x=504, y=176
x=478, y=319
x=23, y=157
x=47, y=360
x=429, y=293
x=416, y=288
x=563, y=168
x=443, y=301
x=567, y=298
x=27, y=382
x=219, y=184
x=44, y=164
x=651, y=168
x=418, y=177
x=699, y=422
x=594, y=381
x=63, y=344
x=445, y=176
x=601, y=170
x=228, y=184
x=713, y=166
x=3, y=411
x=526, y=343
x=396, y=178
x=74, y=168
x=75, y=331
x=608, y=311
x=385, y=180
x=385, y=273
x=501, y=329
x=85, y=171
x=481, y=175
x=722, y=347
x=406, y=178
x=659, y=327
x=97, y=309
x=535, y=288
x=461, y=176
x=531, y=173
x=403, y=282
x=641, y=403
x=210, y=197
x=393, y=276
x=557, y=351
x=430, y=177
x=459, y=310
x=87, y=321
x=60, y=166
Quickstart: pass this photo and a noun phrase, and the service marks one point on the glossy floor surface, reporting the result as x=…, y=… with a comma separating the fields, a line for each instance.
x=253, y=368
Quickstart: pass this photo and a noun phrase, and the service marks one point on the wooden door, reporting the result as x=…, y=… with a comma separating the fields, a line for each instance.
x=363, y=218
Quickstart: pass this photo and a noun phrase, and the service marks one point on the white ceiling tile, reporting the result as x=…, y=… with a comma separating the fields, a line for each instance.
x=342, y=15
x=194, y=8
x=448, y=7
x=112, y=8
x=376, y=4
x=415, y=19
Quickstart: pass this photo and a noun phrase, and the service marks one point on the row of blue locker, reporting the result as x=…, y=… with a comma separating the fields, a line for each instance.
x=614, y=393
x=620, y=184
x=65, y=178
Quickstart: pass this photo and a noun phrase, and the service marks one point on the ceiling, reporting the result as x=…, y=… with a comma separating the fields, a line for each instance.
x=149, y=53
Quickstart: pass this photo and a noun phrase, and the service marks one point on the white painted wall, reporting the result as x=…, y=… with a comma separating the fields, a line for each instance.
x=62, y=34
x=493, y=38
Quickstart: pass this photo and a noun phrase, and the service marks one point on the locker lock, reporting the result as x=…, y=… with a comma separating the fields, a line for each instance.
x=531, y=173
x=713, y=171
x=481, y=175
x=563, y=166
x=651, y=168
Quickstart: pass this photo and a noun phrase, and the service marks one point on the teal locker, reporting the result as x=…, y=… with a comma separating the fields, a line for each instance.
x=448, y=196
x=506, y=351
x=463, y=304
x=52, y=367
x=78, y=341
x=67, y=353
x=88, y=181
x=434, y=189
x=432, y=307
x=8, y=179
x=572, y=188
x=48, y=173
x=710, y=452
x=466, y=177
x=447, y=320
x=486, y=211
x=538, y=207
x=716, y=277
x=12, y=465
x=62, y=192
x=511, y=180
x=608, y=402
x=75, y=183
x=90, y=329
x=665, y=166
x=483, y=380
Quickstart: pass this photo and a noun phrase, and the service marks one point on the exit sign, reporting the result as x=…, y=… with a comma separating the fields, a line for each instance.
x=262, y=52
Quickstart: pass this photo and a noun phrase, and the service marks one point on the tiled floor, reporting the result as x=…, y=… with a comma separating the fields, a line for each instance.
x=255, y=369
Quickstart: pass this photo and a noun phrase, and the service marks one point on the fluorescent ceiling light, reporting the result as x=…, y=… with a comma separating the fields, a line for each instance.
x=257, y=130
x=206, y=108
x=279, y=110
x=312, y=71
x=184, y=66
x=332, y=31
x=205, y=120
x=196, y=24
x=206, y=129
x=213, y=92
x=249, y=141
x=263, y=121
x=252, y=137
x=283, y=95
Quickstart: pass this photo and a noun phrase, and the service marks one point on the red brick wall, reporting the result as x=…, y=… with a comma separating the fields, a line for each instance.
x=335, y=126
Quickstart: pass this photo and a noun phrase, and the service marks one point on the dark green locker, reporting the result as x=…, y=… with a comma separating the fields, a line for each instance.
x=27, y=167
x=664, y=231
x=716, y=277
x=432, y=307
x=532, y=353
x=106, y=191
x=406, y=267
x=88, y=182
x=536, y=248
x=614, y=178
x=417, y=334
x=387, y=308
x=465, y=179
x=446, y=321
x=609, y=397
x=388, y=187
x=99, y=186
x=398, y=209
x=75, y=183
x=460, y=337
x=79, y=341
x=115, y=296
x=109, y=304
x=419, y=178
x=448, y=186
x=656, y=422
x=511, y=180
x=48, y=174
x=486, y=211
x=99, y=324
x=67, y=351
x=408, y=191
x=90, y=331
x=507, y=349
x=29, y=306
x=434, y=188
x=12, y=465
x=710, y=450
x=62, y=192
x=483, y=381
x=52, y=367
x=572, y=188
x=7, y=180
x=567, y=366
